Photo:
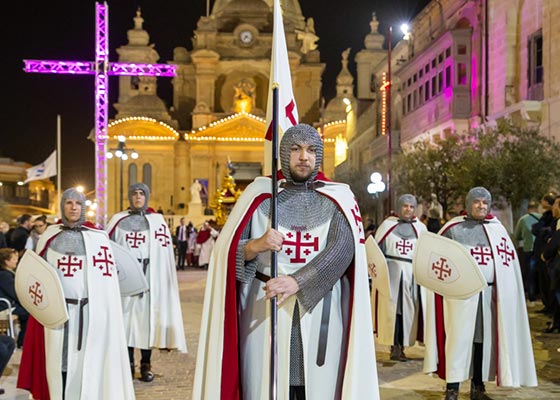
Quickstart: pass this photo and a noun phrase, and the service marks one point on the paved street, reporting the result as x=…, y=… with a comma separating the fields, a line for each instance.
x=175, y=372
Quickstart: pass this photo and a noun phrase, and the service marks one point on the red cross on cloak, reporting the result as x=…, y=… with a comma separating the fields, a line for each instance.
x=505, y=252
x=481, y=255
x=358, y=221
x=69, y=265
x=403, y=246
x=298, y=244
x=105, y=260
x=161, y=236
x=134, y=239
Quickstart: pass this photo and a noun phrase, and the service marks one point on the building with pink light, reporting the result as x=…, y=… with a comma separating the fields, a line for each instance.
x=464, y=65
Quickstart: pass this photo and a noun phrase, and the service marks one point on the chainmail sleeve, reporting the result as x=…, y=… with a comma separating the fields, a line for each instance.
x=322, y=273
x=245, y=270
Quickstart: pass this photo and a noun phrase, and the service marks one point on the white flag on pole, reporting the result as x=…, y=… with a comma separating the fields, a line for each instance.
x=279, y=76
x=44, y=170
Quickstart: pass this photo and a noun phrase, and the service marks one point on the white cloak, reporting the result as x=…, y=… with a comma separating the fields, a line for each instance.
x=160, y=308
x=217, y=375
x=105, y=369
x=450, y=324
x=384, y=309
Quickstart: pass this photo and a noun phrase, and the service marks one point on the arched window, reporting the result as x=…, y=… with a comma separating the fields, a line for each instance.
x=132, y=174
x=147, y=175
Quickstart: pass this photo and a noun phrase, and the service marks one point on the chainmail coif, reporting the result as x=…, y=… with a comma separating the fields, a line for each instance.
x=300, y=134
x=145, y=189
x=478, y=192
x=405, y=199
x=73, y=194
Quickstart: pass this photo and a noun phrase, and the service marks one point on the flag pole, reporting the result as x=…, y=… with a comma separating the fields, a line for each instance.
x=58, y=158
x=273, y=254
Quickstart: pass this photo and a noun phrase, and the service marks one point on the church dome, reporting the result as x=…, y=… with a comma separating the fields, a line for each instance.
x=335, y=110
x=237, y=7
x=147, y=102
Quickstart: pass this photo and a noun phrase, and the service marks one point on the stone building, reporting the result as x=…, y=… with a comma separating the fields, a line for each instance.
x=464, y=65
x=16, y=198
x=219, y=103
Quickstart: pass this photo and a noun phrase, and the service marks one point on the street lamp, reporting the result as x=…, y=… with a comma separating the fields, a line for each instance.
x=122, y=152
x=375, y=187
x=386, y=108
x=376, y=184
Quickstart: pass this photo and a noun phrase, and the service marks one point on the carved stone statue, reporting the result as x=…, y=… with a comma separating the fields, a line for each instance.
x=308, y=37
x=244, y=96
x=196, y=187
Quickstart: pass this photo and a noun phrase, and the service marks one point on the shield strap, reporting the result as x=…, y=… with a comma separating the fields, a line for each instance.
x=81, y=303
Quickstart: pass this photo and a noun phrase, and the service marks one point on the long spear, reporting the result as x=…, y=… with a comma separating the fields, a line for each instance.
x=273, y=254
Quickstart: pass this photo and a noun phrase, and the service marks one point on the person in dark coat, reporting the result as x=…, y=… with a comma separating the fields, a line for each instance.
x=8, y=263
x=21, y=233
x=543, y=230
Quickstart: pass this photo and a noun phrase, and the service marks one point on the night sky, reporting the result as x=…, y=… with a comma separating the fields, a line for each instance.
x=65, y=30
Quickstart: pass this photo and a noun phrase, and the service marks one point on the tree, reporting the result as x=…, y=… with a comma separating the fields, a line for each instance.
x=510, y=161
x=430, y=168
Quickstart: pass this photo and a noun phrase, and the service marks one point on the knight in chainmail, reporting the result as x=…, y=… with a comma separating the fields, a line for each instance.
x=315, y=247
x=473, y=345
x=152, y=319
x=86, y=353
x=397, y=316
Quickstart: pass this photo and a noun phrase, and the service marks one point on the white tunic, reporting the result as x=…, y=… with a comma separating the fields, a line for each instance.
x=154, y=319
x=507, y=348
x=100, y=370
x=385, y=308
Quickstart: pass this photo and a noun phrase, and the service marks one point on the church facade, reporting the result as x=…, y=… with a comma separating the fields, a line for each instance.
x=217, y=118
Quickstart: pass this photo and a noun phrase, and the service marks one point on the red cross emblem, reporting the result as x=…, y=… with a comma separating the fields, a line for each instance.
x=505, y=252
x=481, y=255
x=298, y=244
x=69, y=265
x=105, y=260
x=162, y=236
x=442, y=269
x=134, y=239
x=358, y=221
x=36, y=293
x=404, y=247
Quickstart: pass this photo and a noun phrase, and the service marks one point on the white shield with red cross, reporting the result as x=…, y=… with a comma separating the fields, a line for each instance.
x=446, y=267
x=39, y=290
x=131, y=277
x=377, y=267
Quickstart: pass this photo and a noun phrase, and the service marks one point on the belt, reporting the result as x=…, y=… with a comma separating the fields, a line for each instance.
x=398, y=258
x=81, y=303
x=262, y=277
x=144, y=262
x=323, y=328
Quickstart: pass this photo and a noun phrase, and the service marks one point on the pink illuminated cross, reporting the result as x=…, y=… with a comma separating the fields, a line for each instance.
x=101, y=68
